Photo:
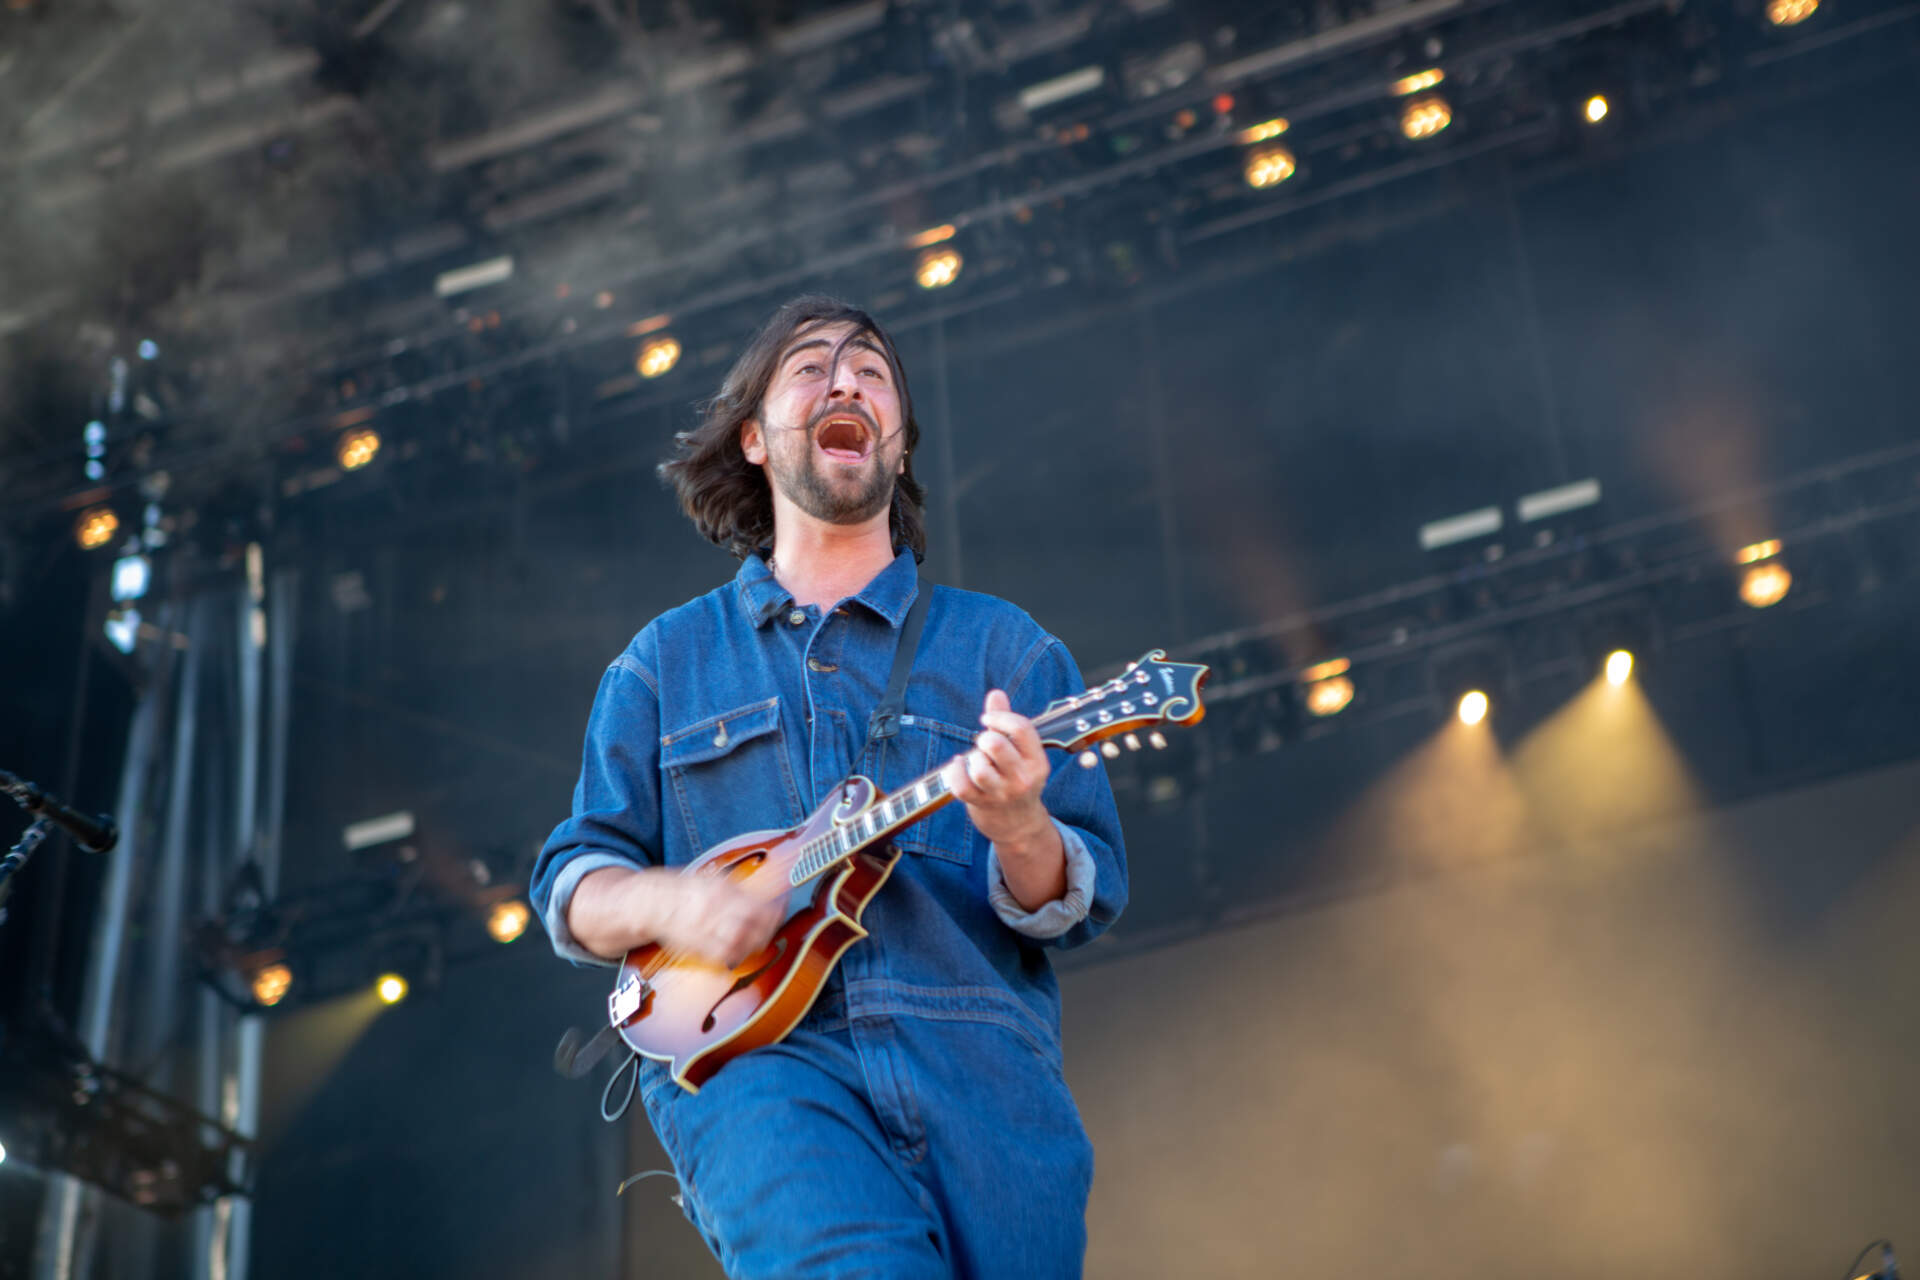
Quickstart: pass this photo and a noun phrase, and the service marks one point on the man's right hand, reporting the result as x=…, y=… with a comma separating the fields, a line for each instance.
x=719, y=919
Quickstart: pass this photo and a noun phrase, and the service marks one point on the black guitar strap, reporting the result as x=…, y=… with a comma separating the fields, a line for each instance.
x=885, y=721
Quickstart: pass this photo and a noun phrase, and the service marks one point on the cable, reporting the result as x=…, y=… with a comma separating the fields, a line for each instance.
x=654, y=1173
x=631, y=1069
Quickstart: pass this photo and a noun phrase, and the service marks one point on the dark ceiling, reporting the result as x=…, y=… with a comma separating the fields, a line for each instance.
x=271, y=192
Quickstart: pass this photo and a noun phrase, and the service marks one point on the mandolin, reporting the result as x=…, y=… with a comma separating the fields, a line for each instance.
x=697, y=1016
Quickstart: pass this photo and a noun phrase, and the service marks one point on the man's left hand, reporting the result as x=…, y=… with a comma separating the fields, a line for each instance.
x=1001, y=779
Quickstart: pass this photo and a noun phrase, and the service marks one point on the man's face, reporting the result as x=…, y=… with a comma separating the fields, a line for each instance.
x=830, y=428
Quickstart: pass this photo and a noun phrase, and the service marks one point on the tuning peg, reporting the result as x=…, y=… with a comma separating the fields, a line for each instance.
x=1133, y=741
x=1088, y=759
x=1158, y=739
x=1110, y=751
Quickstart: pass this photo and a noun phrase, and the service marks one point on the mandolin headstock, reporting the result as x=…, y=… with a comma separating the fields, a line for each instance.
x=1149, y=693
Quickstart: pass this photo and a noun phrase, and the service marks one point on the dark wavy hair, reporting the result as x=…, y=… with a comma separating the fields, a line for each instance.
x=727, y=497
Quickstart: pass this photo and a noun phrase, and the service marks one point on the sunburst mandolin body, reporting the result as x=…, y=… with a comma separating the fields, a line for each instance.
x=697, y=1016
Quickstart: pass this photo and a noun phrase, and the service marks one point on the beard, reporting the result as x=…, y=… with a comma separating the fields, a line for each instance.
x=853, y=496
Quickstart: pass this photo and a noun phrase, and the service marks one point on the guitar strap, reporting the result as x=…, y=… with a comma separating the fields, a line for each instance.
x=885, y=721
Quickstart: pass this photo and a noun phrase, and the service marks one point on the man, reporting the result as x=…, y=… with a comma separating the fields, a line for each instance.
x=915, y=1123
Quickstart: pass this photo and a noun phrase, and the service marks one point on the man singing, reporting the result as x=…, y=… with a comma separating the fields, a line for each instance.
x=915, y=1123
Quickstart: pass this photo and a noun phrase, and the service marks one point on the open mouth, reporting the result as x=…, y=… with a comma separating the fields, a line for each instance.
x=844, y=439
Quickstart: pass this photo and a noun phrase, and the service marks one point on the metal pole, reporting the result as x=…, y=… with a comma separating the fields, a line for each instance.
x=60, y=1215
x=161, y=976
x=218, y=1089
x=277, y=634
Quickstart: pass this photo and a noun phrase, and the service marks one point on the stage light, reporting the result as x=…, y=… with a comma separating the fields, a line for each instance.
x=1268, y=166
x=1788, y=13
x=1765, y=584
x=357, y=448
x=1264, y=130
x=1417, y=81
x=270, y=984
x=938, y=268
x=1061, y=88
x=1557, y=501
x=508, y=920
x=1596, y=109
x=96, y=527
x=1329, y=697
x=123, y=629
x=1328, y=687
x=132, y=575
x=932, y=235
x=1766, y=580
x=96, y=440
x=392, y=988
x=3, y=1153
x=1424, y=117
x=1619, y=667
x=657, y=355
x=1473, y=707
x=148, y=349
x=476, y=276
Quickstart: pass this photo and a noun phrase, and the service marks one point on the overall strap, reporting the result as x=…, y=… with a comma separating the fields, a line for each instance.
x=886, y=716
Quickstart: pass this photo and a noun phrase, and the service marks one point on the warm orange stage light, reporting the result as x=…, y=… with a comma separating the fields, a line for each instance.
x=508, y=920
x=270, y=984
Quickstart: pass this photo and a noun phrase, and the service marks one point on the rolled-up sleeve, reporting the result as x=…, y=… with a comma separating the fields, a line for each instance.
x=616, y=803
x=1081, y=804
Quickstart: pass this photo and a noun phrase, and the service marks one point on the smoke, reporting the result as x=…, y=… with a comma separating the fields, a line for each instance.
x=1593, y=1059
x=235, y=183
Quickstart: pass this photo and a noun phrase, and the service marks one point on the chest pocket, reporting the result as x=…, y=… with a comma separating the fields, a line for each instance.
x=921, y=746
x=729, y=774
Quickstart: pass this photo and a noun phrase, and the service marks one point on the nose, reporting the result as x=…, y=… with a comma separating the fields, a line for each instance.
x=846, y=384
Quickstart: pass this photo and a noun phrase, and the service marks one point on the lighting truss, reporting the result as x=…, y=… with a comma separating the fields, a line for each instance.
x=336, y=937
x=1666, y=568
x=61, y=1110
x=1333, y=81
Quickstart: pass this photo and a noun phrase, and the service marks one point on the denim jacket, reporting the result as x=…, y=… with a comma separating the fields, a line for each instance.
x=741, y=711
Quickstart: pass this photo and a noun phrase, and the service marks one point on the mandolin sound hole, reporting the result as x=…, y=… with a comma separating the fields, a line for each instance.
x=747, y=864
x=744, y=981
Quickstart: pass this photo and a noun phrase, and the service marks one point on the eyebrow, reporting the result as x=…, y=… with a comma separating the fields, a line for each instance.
x=858, y=340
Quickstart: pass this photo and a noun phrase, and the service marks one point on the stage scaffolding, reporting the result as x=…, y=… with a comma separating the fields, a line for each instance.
x=201, y=801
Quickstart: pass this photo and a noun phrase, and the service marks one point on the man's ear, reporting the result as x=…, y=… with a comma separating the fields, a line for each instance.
x=752, y=443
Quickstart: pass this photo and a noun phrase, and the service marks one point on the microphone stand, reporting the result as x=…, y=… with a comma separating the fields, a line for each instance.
x=16, y=858
x=97, y=834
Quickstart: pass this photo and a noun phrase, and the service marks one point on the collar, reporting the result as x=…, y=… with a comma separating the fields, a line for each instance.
x=890, y=594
